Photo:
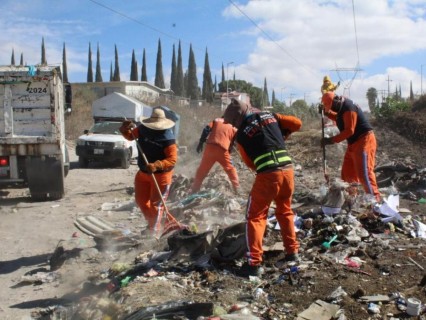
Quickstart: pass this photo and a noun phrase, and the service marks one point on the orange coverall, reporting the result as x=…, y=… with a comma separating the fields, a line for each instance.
x=146, y=194
x=217, y=150
x=360, y=157
x=272, y=185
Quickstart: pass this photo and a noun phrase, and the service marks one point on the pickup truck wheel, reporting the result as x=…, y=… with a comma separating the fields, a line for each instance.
x=83, y=162
x=125, y=160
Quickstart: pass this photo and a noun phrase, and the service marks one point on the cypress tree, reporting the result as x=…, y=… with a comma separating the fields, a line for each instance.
x=180, y=81
x=192, y=86
x=89, y=67
x=265, y=94
x=98, y=76
x=144, y=76
x=215, y=85
x=117, y=67
x=159, y=77
x=134, y=68
x=64, y=65
x=43, y=53
x=207, y=93
x=223, y=74
x=173, y=74
x=411, y=91
x=185, y=83
x=273, y=98
x=111, y=76
x=12, y=59
x=21, y=63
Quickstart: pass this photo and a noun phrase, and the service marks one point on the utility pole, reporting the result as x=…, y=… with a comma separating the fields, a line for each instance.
x=305, y=95
x=382, y=93
x=291, y=98
x=389, y=81
x=347, y=71
x=282, y=94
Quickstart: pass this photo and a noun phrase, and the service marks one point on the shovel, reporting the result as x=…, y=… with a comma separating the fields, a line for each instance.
x=327, y=244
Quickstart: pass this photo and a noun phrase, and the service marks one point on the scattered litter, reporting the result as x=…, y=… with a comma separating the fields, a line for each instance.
x=373, y=308
x=319, y=310
x=376, y=298
x=414, y=306
x=390, y=209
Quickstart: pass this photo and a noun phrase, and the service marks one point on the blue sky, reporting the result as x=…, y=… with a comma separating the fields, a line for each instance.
x=291, y=43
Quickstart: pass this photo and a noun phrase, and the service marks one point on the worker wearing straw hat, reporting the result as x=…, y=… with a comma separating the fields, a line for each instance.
x=159, y=149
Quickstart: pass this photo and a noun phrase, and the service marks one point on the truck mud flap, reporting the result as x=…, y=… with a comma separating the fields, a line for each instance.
x=45, y=178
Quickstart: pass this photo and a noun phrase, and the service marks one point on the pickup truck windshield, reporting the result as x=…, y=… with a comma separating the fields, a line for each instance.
x=106, y=127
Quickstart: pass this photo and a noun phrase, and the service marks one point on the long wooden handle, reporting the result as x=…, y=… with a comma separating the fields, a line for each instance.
x=155, y=181
x=324, y=159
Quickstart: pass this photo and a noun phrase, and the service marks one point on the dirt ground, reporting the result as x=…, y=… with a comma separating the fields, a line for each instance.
x=32, y=231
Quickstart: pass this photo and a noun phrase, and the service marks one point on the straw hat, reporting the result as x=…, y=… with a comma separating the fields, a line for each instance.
x=157, y=121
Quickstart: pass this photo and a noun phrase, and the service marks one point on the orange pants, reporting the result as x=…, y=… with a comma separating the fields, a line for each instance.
x=212, y=154
x=279, y=186
x=358, y=164
x=148, y=198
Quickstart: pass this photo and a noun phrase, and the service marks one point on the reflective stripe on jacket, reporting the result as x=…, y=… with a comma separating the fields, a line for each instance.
x=262, y=139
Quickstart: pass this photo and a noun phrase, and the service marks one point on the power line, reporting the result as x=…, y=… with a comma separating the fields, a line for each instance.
x=356, y=34
x=347, y=84
x=133, y=19
x=162, y=32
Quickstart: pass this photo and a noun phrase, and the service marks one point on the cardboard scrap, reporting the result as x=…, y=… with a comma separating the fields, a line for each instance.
x=319, y=310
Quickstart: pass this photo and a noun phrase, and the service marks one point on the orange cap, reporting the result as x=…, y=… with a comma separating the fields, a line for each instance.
x=327, y=100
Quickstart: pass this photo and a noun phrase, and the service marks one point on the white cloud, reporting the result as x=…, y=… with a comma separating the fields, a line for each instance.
x=300, y=41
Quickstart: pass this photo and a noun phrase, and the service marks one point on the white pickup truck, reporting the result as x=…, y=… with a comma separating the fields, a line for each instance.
x=33, y=153
x=104, y=142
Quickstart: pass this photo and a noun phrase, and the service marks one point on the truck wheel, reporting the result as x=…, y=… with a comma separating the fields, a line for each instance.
x=45, y=178
x=67, y=162
x=125, y=160
x=36, y=197
x=56, y=195
x=83, y=162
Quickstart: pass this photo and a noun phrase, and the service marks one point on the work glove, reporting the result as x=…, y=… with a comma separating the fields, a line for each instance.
x=326, y=141
x=154, y=167
x=126, y=126
x=200, y=147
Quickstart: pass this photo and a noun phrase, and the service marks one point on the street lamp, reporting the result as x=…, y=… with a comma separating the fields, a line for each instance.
x=227, y=80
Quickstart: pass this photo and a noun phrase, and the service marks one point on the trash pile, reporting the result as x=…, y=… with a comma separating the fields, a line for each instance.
x=359, y=259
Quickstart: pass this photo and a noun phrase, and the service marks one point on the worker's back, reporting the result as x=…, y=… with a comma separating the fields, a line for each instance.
x=221, y=134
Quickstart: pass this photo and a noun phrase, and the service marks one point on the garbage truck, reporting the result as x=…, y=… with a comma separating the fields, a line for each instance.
x=33, y=152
